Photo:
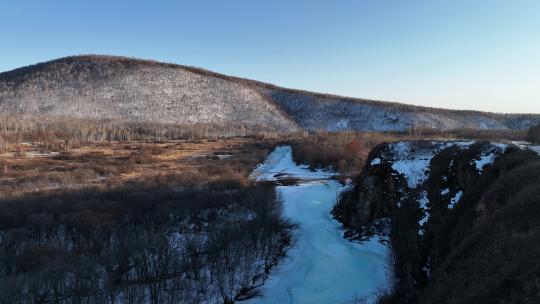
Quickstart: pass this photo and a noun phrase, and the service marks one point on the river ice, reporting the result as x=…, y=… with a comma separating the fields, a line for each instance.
x=322, y=267
x=280, y=164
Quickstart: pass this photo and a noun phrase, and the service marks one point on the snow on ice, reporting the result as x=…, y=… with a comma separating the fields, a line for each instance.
x=322, y=267
x=280, y=164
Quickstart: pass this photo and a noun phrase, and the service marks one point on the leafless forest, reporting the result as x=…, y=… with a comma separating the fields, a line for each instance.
x=117, y=88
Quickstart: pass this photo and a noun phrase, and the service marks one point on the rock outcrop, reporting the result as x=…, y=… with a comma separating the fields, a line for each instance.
x=465, y=219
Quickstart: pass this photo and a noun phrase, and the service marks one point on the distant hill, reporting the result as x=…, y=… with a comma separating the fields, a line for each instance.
x=106, y=87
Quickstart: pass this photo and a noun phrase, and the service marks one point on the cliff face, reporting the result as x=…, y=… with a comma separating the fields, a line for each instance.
x=465, y=219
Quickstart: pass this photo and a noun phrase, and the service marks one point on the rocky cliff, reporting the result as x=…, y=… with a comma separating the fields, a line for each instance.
x=465, y=219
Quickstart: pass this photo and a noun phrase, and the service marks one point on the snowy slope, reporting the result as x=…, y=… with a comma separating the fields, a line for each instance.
x=109, y=87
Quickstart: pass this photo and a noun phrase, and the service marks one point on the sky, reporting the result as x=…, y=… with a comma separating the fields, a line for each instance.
x=460, y=54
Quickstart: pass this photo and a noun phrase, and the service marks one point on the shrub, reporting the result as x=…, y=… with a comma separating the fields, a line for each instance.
x=344, y=152
x=533, y=135
x=144, y=242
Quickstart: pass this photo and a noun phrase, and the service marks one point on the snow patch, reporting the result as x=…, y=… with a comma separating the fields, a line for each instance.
x=488, y=157
x=280, y=165
x=43, y=154
x=423, y=202
x=455, y=200
x=484, y=125
x=341, y=124
x=445, y=191
x=223, y=156
x=483, y=161
x=376, y=161
x=412, y=166
x=413, y=162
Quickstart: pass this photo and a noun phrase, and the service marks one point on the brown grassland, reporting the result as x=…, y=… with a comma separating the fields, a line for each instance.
x=29, y=167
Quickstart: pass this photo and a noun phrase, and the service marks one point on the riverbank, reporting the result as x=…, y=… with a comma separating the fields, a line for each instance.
x=322, y=267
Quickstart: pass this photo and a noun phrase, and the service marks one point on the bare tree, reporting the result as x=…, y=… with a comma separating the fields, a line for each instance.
x=533, y=135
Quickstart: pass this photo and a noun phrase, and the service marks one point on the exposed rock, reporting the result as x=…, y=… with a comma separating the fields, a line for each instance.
x=458, y=232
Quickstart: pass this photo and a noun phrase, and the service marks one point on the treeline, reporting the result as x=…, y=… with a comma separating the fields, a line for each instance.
x=534, y=134
x=140, y=244
x=465, y=133
x=100, y=68
x=131, y=89
x=314, y=112
x=62, y=133
x=344, y=152
x=347, y=151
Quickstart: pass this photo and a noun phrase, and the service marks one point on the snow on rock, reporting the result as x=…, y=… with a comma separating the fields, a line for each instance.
x=413, y=162
x=423, y=202
x=411, y=165
x=484, y=160
x=341, y=125
x=488, y=156
x=376, y=161
x=322, y=267
x=455, y=200
x=280, y=165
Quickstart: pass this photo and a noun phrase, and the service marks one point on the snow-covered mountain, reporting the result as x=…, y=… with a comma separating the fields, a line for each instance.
x=139, y=90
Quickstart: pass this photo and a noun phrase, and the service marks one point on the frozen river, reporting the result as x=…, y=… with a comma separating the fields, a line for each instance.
x=322, y=267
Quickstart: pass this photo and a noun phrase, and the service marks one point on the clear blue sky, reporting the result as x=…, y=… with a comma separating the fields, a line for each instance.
x=460, y=54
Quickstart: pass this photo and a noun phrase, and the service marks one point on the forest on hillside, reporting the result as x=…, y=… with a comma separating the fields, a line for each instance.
x=142, y=91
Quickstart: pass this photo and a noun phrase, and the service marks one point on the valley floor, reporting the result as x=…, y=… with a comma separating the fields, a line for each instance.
x=33, y=167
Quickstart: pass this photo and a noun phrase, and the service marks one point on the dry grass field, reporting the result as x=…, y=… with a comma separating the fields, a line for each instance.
x=28, y=167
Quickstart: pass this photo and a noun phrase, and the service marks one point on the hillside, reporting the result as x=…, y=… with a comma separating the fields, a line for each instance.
x=105, y=87
x=464, y=218
x=99, y=87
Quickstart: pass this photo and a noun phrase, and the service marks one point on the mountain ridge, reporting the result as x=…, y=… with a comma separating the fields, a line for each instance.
x=146, y=90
